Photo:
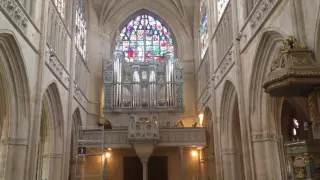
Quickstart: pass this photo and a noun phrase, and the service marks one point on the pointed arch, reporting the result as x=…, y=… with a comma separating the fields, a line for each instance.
x=14, y=107
x=231, y=139
x=143, y=32
x=267, y=49
x=207, y=154
x=51, y=100
x=76, y=123
x=265, y=110
x=50, y=146
x=113, y=18
x=207, y=117
x=229, y=97
x=16, y=93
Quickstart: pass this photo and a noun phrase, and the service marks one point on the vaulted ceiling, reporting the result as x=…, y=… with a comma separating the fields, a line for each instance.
x=182, y=11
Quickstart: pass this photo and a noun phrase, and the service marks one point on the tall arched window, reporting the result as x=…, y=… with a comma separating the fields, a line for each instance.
x=60, y=4
x=145, y=37
x=81, y=28
x=204, y=39
x=222, y=4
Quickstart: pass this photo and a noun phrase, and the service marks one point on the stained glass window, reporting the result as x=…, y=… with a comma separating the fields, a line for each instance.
x=81, y=28
x=204, y=41
x=222, y=4
x=145, y=37
x=60, y=4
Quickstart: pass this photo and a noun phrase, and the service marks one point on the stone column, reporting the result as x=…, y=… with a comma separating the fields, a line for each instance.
x=229, y=165
x=182, y=163
x=55, y=170
x=144, y=162
x=144, y=151
x=13, y=154
x=266, y=156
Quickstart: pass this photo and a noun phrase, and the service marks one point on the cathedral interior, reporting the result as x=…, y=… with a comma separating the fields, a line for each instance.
x=159, y=89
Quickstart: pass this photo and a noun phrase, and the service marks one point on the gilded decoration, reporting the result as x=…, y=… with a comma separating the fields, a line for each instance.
x=293, y=71
x=300, y=165
x=290, y=45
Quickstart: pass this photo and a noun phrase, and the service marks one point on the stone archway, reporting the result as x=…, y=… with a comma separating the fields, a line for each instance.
x=14, y=109
x=207, y=155
x=50, y=145
x=231, y=141
x=264, y=111
x=76, y=123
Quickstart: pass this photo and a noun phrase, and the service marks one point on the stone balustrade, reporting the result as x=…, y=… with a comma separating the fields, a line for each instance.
x=169, y=137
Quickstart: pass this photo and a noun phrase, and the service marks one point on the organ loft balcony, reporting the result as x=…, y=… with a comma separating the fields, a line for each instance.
x=143, y=97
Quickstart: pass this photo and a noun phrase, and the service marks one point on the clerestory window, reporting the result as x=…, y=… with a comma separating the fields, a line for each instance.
x=204, y=38
x=81, y=28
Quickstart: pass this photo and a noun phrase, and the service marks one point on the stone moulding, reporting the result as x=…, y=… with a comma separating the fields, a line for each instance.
x=12, y=9
x=293, y=71
x=265, y=137
x=255, y=21
x=224, y=68
x=58, y=70
x=13, y=141
x=169, y=137
x=52, y=155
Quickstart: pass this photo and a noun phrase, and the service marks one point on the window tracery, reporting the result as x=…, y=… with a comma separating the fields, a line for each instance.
x=222, y=4
x=145, y=37
x=81, y=28
x=204, y=38
x=60, y=5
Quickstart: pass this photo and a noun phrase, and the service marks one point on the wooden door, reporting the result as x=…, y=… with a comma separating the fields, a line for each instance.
x=132, y=168
x=158, y=168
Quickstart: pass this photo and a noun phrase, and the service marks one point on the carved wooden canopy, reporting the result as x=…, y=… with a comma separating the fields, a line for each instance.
x=293, y=71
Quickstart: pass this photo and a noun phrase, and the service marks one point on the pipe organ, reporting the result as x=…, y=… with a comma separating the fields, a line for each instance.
x=143, y=94
x=150, y=84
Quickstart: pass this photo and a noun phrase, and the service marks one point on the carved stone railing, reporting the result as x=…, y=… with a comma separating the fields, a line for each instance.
x=224, y=67
x=22, y=22
x=174, y=137
x=14, y=11
x=223, y=33
x=80, y=96
x=117, y=138
x=57, y=69
x=205, y=96
x=169, y=137
x=255, y=21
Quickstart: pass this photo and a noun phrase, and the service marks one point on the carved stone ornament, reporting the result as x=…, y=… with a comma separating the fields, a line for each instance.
x=293, y=71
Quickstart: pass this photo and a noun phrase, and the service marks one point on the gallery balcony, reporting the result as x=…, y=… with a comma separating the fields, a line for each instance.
x=168, y=137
